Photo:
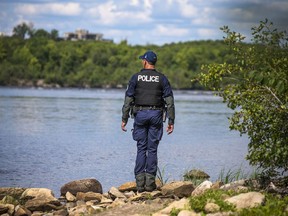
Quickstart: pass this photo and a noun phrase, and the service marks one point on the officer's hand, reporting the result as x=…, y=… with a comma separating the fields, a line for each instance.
x=170, y=129
x=123, y=126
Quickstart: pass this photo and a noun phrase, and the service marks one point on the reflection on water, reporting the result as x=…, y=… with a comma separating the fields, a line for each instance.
x=50, y=137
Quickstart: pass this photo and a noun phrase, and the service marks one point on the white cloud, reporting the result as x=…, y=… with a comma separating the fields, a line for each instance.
x=134, y=2
x=171, y=31
x=207, y=32
x=110, y=14
x=66, y=9
x=187, y=9
x=141, y=21
x=148, y=4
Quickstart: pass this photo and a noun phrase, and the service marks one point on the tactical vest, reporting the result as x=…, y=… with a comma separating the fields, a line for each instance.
x=149, y=88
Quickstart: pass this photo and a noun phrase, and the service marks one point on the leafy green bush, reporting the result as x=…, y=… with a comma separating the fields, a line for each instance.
x=257, y=91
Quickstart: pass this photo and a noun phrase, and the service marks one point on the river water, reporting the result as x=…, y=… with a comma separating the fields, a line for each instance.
x=49, y=137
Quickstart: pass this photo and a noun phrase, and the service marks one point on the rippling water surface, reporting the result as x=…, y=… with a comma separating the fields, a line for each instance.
x=49, y=137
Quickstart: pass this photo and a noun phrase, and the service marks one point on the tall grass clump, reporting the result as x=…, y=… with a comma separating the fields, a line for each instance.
x=230, y=175
x=161, y=175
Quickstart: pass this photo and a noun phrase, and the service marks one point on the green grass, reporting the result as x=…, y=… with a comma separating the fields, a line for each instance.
x=197, y=203
x=161, y=175
x=274, y=206
x=234, y=175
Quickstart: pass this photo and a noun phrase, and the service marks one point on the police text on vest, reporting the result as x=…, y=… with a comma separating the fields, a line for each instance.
x=147, y=78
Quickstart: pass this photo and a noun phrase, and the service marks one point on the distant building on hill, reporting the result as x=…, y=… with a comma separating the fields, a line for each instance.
x=82, y=34
x=2, y=34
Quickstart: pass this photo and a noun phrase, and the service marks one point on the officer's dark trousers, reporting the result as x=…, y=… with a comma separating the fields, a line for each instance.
x=148, y=131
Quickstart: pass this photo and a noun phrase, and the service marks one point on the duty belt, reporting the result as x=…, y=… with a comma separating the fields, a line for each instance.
x=138, y=108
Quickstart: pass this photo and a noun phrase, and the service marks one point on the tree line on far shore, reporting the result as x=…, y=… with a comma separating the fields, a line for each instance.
x=35, y=54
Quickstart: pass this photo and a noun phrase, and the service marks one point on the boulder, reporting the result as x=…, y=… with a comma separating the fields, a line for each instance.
x=32, y=193
x=115, y=193
x=178, y=188
x=40, y=199
x=217, y=185
x=128, y=186
x=89, y=196
x=196, y=174
x=70, y=197
x=83, y=185
x=211, y=208
x=188, y=213
x=247, y=200
x=233, y=185
x=200, y=189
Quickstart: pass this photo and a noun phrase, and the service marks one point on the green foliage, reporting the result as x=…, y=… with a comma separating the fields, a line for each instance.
x=174, y=212
x=197, y=203
x=257, y=90
x=274, y=206
x=23, y=30
x=161, y=175
x=231, y=175
x=38, y=54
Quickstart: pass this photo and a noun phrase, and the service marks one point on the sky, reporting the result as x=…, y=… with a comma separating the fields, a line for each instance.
x=143, y=22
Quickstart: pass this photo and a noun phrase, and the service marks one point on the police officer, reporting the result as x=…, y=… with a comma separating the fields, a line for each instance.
x=148, y=93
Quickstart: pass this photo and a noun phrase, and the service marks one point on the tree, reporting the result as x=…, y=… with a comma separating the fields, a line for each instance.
x=54, y=34
x=258, y=92
x=23, y=30
x=41, y=33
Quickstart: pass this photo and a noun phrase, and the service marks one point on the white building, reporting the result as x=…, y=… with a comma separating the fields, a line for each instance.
x=82, y=34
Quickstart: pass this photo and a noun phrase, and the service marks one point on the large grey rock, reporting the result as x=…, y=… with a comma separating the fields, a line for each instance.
x=89, y=196
x=247, y=200
x=233, y=185
x=200, y=189
x=40, y=199
x=211, y=208
x=196, y=174
x=83, y=185
x=178, y=188
x=70, y=197
x=115, y=193
x=32, y=193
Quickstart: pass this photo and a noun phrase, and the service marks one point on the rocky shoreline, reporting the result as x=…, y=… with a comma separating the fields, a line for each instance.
x=85, y=197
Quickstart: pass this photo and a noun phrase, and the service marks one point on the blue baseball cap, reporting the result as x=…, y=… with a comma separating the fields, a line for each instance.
x=149, y=56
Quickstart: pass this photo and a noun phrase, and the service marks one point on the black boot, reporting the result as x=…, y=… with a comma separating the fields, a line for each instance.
x=140, y=182
x=150, y=184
